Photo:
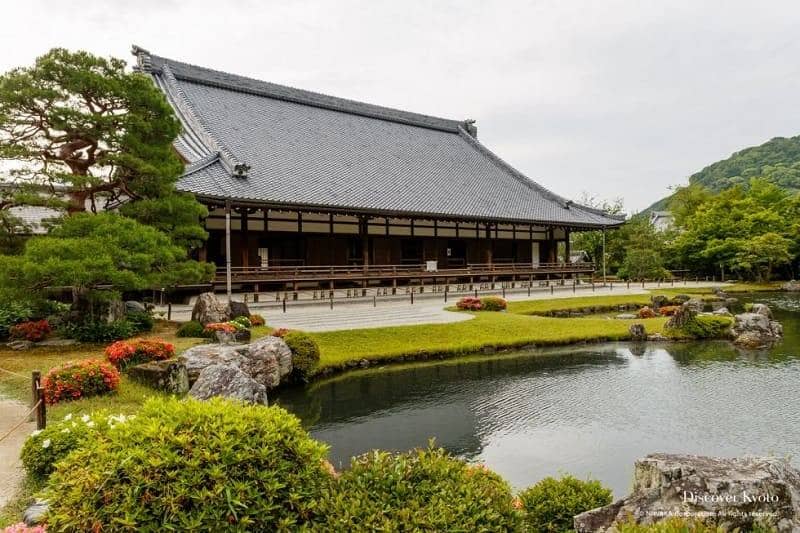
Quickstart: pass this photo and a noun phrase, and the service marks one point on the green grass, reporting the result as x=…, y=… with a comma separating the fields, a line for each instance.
x=486, y=330
x=595, y=303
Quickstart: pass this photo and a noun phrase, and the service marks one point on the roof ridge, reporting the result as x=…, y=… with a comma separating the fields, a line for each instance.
x=231, y=163
x=235, y=82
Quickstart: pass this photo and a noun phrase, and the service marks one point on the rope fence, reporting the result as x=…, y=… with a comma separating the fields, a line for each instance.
x=24, y=419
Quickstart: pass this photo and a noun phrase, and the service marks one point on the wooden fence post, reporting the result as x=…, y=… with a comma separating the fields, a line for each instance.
x=38, y=399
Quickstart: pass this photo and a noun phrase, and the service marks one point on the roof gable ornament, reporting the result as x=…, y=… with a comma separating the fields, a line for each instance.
x=240, y=170
x=471, y=128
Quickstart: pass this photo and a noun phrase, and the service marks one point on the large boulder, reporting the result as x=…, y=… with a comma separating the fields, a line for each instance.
x=168, y=376
x=229, y=382
x=268, y=347
x=208, y=309
x=756, y=329
x=731, y=493
x=132, y=306
x=268, y=360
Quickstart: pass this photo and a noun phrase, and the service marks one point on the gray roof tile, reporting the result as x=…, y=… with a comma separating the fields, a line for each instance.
x=305, y=148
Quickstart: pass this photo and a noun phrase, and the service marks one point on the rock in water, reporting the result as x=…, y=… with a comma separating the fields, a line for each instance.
x=626, y=316
x=756, y=329
x=731, y=493
x=229, y=382
x=169, y=376
x=208, y=309
x=638, y=333
x=695, y=305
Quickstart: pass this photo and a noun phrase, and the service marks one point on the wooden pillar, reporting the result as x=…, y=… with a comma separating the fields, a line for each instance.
x=567, y=248
x=228, y=249
x=490, y=244
x=245, y=239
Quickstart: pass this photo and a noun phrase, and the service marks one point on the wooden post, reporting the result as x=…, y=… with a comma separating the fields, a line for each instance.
x=228, y=249
x=38, y=400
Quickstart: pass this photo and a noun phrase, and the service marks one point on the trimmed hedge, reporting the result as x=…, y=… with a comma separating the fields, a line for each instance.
x=192, y=465
x=192, y=328
x=421, y=490
x=305, y=353
x=44, y=448
x=72, y=381
x=123, y=354
x=550, y=505
x=98, y=331
x=493, y=303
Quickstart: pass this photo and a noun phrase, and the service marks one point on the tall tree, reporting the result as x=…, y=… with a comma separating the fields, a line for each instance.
x=85, y=134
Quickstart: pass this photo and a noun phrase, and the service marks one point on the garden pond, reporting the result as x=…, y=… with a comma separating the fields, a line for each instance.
x=588, y=410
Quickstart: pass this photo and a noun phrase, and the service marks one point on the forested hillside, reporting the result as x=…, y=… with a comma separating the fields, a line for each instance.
x=777, y=161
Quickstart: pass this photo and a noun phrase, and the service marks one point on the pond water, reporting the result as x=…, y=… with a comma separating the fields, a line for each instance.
x=586, y=410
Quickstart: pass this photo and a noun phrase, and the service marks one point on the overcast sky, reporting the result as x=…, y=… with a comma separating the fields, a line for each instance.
x=613, y=98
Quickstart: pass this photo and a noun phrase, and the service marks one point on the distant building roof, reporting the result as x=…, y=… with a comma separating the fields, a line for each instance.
x=253, y=141
x=661, y=219
x=34, y=217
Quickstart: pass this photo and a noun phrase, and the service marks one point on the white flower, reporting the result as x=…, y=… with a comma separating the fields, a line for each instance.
x=85, y=418
x=36, y=432
x=65, y=430
x=68, y=417
x=46, y=443
x=90, y=424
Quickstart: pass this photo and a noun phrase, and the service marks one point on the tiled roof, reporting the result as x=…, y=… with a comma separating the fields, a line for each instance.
x=254, y=141
x=34, y=217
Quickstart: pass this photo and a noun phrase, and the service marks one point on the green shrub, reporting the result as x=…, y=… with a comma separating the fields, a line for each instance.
x=493, y=303
x=44, y=448
x=702, y=327
x=192, y=465
x=140, y=321
x=192, y=328
x=420, y=490
x=11, y=313
x=551, y=504
x=97, y=331
x=305, y=353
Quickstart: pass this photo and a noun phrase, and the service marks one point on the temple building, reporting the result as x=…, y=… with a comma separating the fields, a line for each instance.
x=306, y=189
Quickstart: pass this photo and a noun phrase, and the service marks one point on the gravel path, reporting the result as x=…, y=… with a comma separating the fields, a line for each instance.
x=11, y=473
x=397, y=311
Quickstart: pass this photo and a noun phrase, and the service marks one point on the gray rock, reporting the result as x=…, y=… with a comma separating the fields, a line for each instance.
x=132, y=306
x=36, y=512
x=237, y=337
x=20, y=345
x=658, y=301
x=695, y=305
x=730, y=302
x=756, y=329
x=57, y=342
x=228, y=382
x=169, y=376
x=722, y=311
x=236, y=309
x=269, y=346
x=681, y=299
x=683, y=315
x=727, y=492
x=626, y=316
x=791, y=286
x=638, y=332
x=762, y=309
x=208, y=309
x=268, y=360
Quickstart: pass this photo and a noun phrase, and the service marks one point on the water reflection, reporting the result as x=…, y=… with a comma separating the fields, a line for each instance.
x=588, y=410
